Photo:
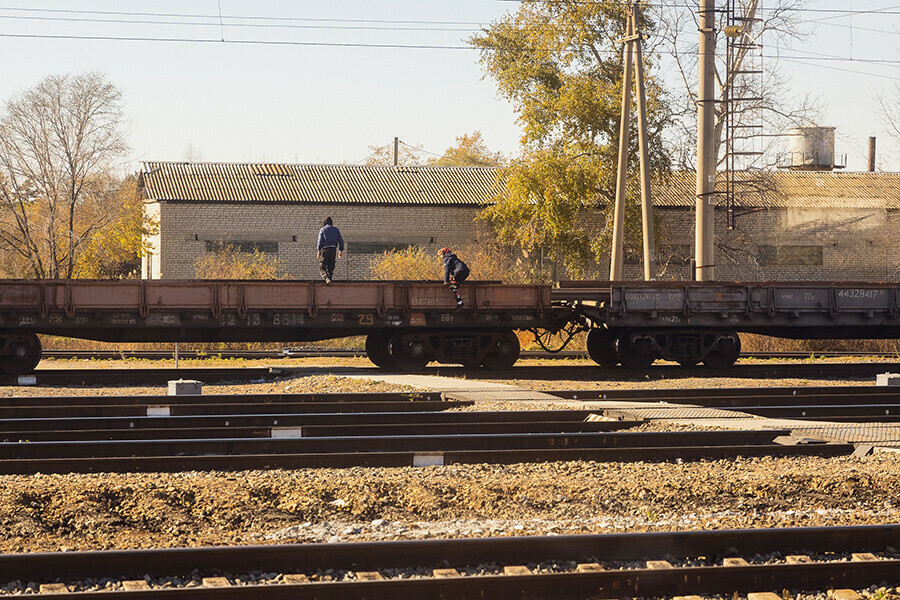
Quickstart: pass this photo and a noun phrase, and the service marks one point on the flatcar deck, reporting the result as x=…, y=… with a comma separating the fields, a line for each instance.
x=409, y=324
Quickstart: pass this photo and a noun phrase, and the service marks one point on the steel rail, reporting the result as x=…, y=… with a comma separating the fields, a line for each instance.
x=349, y=352
x=212, y=399
x=171, y=464
x=317, y=431
x=740, y=397
x=824, y=413
x=269, y=419
x=591, y=372
x=750, y=371
x=105, y=410
x=409, y=443
x=707, y=549
x=139, y=376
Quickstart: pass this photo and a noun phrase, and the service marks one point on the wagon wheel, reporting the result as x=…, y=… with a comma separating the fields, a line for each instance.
x=25, y=353
x=726, y=350
x=636, y=354
x=504, y=353
x=601, y=347
x=378, y=349
x=408, y=353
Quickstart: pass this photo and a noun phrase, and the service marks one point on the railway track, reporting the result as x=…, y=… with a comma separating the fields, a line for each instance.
x=798, y=370
x=727, y=563
x=179, y=433
x=159, y=376
x=349, y=352
x=154, y=376
x=837, y=404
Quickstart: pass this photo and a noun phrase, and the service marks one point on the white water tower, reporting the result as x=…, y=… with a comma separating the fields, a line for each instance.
x=812, y=149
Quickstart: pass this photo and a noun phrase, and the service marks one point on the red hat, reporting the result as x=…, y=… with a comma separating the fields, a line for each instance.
x=444, y=251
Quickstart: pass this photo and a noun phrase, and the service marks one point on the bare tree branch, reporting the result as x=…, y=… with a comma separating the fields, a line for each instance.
x=58, y=142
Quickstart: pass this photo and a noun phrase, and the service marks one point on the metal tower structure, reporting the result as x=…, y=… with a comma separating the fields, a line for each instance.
x=744, y=149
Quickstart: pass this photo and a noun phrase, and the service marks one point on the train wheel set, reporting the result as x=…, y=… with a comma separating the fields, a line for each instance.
x=20, y=352
x=410, y=350
x=638, y=349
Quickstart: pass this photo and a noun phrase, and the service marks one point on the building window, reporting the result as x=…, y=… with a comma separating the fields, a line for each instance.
x=248, y=247
x=375, y=247
x=809, y=256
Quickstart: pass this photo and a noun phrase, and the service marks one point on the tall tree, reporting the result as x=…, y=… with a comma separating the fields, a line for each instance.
x=888, y=114
x=560, y=63
x=116, y=248
x=469, y=151
x=60, y=142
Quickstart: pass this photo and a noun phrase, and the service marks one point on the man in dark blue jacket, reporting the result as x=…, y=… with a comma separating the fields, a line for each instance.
x=455, y=272
x=329, y=241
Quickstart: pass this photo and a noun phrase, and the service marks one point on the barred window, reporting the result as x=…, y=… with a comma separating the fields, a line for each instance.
x=375, y=247
x=248, y=247
x=791, y=255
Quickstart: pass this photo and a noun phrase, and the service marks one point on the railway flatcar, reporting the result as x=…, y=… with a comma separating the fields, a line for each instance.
x=635, y=323
x=408, y=324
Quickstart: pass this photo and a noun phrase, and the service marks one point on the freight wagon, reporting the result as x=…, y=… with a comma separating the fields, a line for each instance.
x=408, y=324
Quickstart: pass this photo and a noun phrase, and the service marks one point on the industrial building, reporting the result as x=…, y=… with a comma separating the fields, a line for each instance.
x=788, y=225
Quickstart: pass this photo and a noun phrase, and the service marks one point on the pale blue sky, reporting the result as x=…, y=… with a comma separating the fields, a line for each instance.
x=300, y=103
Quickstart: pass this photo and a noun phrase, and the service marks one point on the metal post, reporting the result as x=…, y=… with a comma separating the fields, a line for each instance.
x=646, y=200
x=872, y=154
x=706, y=147
x=176, y=355
x=616, y=259
x=396, y=151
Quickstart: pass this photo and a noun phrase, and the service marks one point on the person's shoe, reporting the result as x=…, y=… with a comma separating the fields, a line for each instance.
x=459, y=304
x=328, y=280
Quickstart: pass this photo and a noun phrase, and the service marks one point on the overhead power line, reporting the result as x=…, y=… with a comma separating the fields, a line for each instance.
x=893, y=10
x=225, y=16
x=816, y=57
x=223, y=24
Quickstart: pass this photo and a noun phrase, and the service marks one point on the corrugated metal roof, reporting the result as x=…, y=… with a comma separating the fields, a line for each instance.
x=259, y=182
x=793, y=189
x=473, y=186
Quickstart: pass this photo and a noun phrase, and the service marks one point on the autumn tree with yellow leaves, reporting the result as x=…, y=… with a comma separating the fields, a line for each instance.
x=61, y=143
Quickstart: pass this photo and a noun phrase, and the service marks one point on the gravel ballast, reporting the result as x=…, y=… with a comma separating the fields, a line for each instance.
x=102, y=511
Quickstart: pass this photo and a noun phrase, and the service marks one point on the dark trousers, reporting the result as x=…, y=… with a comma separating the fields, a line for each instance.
x=327, y=257
x=456, y=279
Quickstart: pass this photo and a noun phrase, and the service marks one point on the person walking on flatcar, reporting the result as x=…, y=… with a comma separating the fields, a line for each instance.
x=455, y=272
x=330, y=241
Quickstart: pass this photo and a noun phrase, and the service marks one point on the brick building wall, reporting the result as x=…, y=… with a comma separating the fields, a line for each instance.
x=773, y=244
x=289, y=232
x=784, y=244
x=798, y=226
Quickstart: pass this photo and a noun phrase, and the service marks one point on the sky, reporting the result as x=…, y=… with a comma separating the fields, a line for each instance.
x=334, y=78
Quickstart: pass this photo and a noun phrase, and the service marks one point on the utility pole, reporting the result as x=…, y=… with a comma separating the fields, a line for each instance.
x=704, y=245
x=643, y=147
x=616, y=259
x=632, y=41
x=396, y=151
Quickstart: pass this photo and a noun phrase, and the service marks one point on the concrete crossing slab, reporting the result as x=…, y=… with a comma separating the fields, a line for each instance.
x=885, y=435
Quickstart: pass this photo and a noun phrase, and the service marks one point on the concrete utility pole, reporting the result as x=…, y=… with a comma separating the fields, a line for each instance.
x=632, y=41
x=396, y=151
x=704, y=245
x=643, y=147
